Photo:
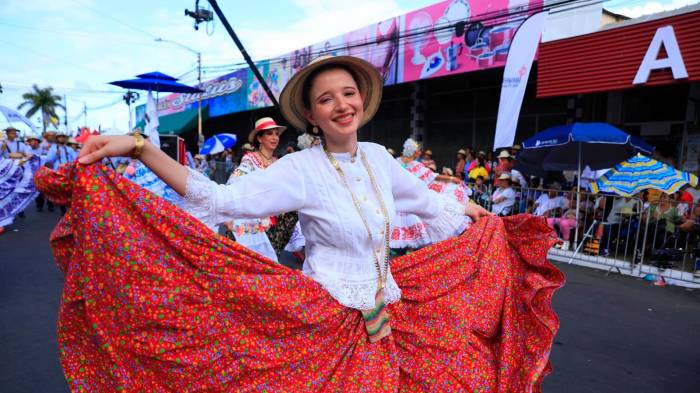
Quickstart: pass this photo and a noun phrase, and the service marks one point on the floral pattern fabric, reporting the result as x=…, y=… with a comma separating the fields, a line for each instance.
x=155, y=301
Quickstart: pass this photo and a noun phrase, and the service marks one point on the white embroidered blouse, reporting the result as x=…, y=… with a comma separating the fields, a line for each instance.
x=338, y=250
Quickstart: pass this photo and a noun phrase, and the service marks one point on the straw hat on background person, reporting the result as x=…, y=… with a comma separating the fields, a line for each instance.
x=264, y=124
x=368, y=80
x=504, y=154
x=504, y=176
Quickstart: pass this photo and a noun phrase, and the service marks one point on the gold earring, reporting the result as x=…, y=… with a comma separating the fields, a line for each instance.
x=314, y=130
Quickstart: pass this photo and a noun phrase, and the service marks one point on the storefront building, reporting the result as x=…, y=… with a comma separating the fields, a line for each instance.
x=642, y=75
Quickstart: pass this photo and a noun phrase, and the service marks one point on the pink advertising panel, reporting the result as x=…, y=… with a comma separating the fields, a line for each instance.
x=431, y=47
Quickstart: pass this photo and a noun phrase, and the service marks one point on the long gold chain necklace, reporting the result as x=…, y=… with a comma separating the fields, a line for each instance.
x=382, y=276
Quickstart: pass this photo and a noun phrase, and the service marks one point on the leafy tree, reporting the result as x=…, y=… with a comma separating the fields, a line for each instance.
x=42, y=99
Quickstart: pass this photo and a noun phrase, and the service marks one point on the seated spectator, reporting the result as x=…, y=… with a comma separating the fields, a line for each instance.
x=563, y=225
x=479, y=160
x=506, y=165
x=479, y=169
x=613, y=230
x=428, y=161
x=503, y=197
x=461, y=163
x=666, y=214
x=480, y=192
x=551, y=204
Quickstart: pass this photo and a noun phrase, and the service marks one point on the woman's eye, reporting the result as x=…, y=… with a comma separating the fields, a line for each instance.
x=325, y=100
x=349, y=93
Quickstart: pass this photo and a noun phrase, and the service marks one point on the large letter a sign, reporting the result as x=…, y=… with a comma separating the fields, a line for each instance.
x=674, y=61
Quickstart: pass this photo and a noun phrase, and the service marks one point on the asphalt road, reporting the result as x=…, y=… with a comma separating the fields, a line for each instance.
x=618, y=334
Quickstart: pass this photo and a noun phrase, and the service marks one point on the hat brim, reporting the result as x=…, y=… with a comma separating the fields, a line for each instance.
x=369, y=82
x=252, y=134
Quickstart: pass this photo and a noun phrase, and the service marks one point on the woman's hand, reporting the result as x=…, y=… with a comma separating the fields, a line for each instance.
x=475, y=212
x=98, y=147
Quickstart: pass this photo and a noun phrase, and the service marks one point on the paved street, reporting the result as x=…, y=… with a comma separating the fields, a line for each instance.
x=618, y=334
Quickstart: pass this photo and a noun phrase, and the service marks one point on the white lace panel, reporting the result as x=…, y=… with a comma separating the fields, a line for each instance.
x=199, y=199
x=358, y=295
x=450, y=222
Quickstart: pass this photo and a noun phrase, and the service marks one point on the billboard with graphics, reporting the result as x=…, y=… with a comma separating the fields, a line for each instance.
x=438, y=40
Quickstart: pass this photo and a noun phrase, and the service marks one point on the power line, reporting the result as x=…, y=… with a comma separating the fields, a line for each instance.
x=76, y=34
x=121, y=22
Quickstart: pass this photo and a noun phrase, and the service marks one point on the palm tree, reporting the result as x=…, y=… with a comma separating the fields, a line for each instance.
x=42, y=99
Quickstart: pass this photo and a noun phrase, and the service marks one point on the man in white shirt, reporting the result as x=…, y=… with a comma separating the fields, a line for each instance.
x=503, y=197
x=12, y=147
x=549, y=204
x=34, y=147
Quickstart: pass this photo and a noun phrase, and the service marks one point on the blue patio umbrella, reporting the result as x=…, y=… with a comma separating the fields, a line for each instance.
x=156, y=84
x=569, y=147
x=153, y=81
x=218, y=143
x=573, y=146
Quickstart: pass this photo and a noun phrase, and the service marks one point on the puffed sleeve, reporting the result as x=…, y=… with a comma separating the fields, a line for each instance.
x=444, y=217
x=278, y=189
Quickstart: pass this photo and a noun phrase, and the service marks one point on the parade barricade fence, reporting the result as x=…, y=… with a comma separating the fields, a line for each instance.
x=625, y=235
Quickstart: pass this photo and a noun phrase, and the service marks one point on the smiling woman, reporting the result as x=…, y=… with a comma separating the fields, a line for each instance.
x=470, y=313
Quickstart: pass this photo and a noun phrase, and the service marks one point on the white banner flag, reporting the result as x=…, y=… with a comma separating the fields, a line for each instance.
x=152, y=122
x=13, y=116
x=520, y=57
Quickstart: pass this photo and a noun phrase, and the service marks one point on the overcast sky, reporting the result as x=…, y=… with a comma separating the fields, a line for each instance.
x=77, y=46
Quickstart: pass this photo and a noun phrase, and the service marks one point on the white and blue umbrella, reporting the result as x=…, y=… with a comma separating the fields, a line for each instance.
x=640, y=173
x=218, y=143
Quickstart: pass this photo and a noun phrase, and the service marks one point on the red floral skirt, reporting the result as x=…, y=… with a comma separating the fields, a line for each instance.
x=155, y=301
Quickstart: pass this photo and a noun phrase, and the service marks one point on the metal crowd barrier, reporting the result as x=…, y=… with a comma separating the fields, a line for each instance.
x=630, y=235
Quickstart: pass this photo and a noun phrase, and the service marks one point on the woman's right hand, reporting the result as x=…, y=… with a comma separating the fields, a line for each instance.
x=98, y=147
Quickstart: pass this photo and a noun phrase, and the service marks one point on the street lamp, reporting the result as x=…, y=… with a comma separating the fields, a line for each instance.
x=200, y=136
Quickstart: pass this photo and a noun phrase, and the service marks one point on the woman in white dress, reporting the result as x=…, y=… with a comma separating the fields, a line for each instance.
x=250, y=233
x=466, y=324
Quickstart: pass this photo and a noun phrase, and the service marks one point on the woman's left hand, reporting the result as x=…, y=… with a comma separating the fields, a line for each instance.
x=475, y=212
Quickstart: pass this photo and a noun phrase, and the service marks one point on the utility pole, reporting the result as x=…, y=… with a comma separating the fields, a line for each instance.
x=245, y=54
x=200, y=135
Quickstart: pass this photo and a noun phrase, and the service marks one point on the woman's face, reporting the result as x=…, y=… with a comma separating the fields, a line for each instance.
x=336, y=105
x=269, y=139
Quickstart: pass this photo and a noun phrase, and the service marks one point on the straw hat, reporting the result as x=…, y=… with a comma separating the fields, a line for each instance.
x=504, y=176
x=8, y=129
x=504, y=154
x=391, y=151
x=263, y=124
x=428, y=153
x=369, y=82
x=517, y=147
x=448, y=171
x=462, y=152
x=247, y=147
x=32, y=136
